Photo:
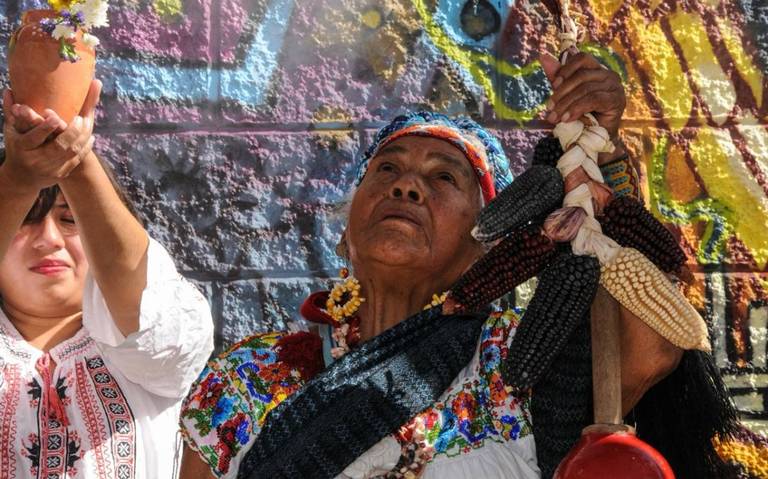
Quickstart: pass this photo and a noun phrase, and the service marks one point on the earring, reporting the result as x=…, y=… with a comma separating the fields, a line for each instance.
x=344, y=299
x=341, y=247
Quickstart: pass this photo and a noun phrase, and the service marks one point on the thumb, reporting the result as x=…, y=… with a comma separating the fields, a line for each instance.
x=92, y=99
x=7, y=103
x=550, y=65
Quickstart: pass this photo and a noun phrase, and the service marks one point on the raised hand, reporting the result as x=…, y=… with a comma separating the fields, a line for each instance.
x=582, y=86
x=41, y=150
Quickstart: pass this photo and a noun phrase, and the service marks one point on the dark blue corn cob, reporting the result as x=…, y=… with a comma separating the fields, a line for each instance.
x=628, y=223
x=561, y=402
x=530, y=198
x=547, y=151
x=519, y=257
x=564, y=294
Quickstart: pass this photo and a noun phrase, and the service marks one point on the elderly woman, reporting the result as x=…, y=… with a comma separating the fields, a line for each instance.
x=420, y=188
x=100, y=337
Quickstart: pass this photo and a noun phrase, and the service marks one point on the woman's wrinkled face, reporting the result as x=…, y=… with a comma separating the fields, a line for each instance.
x=416, y=207
x=43, y=271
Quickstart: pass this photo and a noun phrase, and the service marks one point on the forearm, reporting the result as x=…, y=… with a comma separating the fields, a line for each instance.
x=646, y=359
x=16, y=203
x=115, y=243
x=193, y=467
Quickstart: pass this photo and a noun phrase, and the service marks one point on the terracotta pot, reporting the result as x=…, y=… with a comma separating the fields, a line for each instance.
x=40, y=78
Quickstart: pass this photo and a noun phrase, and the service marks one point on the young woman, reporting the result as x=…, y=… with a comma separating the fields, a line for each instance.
x=100, y=337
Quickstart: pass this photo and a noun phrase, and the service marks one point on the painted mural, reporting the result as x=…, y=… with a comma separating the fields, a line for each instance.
x=234, y=125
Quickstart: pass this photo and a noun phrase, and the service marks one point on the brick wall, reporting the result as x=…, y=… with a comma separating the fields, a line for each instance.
x=234, y=124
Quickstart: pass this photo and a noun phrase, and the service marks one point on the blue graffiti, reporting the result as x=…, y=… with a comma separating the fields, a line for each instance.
x=246, y=84
x=448, y=14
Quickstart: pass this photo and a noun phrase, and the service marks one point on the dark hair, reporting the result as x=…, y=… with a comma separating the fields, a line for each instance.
x=47, y=196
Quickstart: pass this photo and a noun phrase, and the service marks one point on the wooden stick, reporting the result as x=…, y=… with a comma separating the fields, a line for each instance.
x=606, y=358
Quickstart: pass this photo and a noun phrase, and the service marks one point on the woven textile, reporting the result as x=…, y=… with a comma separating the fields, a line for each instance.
x=363, y=397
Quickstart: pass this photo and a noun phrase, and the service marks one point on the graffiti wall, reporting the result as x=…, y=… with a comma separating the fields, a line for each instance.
x=234, y=124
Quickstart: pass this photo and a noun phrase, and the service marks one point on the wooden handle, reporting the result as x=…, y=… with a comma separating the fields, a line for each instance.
x=606, y=358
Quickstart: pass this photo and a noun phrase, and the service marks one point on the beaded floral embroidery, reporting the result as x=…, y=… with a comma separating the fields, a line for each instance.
x=479, y=410
x=232, y=396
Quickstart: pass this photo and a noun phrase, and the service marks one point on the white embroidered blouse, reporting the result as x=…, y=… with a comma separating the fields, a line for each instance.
x=101, y=405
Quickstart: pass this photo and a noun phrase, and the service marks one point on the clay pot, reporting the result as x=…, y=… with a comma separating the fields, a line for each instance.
x=40, y=78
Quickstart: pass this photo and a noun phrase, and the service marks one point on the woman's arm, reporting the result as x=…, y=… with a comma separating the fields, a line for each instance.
x=30, y=163
x=646, y=359
x=115, y=243
x=584, y=86
x=193, y=467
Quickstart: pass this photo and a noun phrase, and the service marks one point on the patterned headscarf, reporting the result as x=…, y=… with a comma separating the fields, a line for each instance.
x=482, y=149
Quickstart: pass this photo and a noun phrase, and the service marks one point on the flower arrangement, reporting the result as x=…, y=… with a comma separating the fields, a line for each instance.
x=71, y=16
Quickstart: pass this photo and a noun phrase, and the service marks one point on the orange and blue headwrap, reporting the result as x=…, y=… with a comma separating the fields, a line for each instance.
x=482, y=149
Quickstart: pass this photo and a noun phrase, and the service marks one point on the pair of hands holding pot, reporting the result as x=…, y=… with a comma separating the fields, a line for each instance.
x=42, y=150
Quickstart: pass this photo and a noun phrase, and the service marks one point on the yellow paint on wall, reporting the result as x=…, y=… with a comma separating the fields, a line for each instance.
x=714, y=86
x=637, y=107
x=371, y=18
x=605, y=10
x=744, y=63
x=678, y=175
x=657, y=58
x=728, y=180
x=756, y=138
x=168, y=9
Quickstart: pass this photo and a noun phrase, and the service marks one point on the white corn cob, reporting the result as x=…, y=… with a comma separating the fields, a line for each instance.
x=643, y=289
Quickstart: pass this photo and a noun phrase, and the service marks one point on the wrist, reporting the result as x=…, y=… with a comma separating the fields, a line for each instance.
x=13, y=184
x=618, y=152
x=88, y=170
x=621, y=177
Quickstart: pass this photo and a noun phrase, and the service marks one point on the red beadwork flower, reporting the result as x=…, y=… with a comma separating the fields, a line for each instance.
x=274, y=372
x=210, y=391
x=302, y=351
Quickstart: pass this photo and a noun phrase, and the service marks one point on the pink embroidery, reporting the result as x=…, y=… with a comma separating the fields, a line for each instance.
x=119, y=416
x=94, y=422
x=10, y=401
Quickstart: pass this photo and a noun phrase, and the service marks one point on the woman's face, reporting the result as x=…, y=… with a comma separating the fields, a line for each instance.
x=415, y=208
x=43, y=271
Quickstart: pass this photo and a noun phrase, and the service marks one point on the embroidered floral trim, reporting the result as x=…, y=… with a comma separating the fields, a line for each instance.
x=479, y=410
x=232, y=397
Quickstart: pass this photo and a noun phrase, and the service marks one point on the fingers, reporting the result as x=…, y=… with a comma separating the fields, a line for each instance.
x=578, y=62
x=67, y=167
x=585, y=100
x=25, y=118
x=38, y=135
x=550, y=65
x=578, y=80
x=86, y=132
x=48, y=113
x=91, y=100
x=67, y=143
x=583, y=86
x=7, y=103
